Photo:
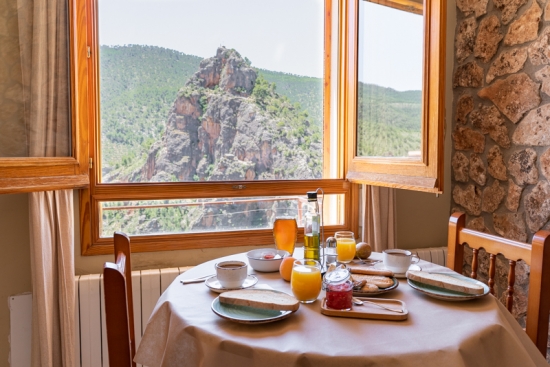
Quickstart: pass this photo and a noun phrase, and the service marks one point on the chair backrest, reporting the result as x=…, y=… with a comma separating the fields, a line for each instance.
x=536, y=254
x=119, y=309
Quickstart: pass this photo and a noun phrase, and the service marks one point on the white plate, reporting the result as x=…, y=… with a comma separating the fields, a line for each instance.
x=214, y=284
x=247, y=315
x=448, y=295
x=397, y=275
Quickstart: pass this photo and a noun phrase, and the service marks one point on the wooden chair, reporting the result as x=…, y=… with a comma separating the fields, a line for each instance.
x=119, y=308
x=536, y=254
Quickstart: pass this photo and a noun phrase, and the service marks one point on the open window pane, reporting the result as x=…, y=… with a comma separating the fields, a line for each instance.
x=389, y=90
x=211, y=90
x=209, y=215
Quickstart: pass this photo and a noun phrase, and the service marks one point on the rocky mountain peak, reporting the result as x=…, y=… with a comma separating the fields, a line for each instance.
x=227, y=70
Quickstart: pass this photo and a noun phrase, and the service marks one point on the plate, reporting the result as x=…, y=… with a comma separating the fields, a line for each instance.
x=247, y=315
x=214, y=284
x=380, y=291
x=448, y=295
x=397, y=275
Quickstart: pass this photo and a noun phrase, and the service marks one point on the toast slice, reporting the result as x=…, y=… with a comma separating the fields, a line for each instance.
x=379, y=281
x=445, y=281
x=370, y=271
x=266, y=299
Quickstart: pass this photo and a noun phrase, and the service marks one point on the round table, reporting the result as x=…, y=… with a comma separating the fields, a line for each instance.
x=184, y=331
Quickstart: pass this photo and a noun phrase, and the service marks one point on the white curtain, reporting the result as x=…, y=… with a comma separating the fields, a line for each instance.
x=378, y=217
x=43, y=41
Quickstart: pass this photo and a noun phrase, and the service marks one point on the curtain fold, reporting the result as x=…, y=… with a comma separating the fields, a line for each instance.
x=43, y=39
x=379, y=217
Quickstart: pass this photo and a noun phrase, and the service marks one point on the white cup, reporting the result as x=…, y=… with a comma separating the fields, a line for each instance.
x=398, y=260
x=231, y=274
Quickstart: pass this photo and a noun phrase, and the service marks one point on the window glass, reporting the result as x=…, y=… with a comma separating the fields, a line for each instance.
x=208, y=215
x=211, y=90
x=389, y=92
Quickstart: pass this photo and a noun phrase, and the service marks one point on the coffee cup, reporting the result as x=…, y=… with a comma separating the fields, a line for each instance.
x=231, y=274
x=398, y=260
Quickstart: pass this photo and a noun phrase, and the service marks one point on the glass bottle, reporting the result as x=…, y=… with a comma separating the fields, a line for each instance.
x=312, y=245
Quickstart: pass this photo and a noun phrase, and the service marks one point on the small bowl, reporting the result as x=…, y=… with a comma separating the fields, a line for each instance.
x=259, y=262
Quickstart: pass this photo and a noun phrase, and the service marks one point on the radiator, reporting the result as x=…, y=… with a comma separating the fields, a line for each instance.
x=436, y=255
x=91, y=337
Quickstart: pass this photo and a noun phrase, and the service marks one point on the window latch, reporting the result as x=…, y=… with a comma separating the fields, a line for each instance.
x=239, y=187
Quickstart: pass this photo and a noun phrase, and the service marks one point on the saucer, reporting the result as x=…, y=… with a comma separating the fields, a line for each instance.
x=214, y=284
x=397, y=275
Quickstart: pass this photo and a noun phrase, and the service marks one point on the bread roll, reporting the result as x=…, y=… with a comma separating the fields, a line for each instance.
x=261, y=298
x=445, y=281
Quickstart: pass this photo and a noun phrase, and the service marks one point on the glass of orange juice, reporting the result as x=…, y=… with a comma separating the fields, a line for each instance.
x=345, y=246
x=285, y=232
x=305, y=281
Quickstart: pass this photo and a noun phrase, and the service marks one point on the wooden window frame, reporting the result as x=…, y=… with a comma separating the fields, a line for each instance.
x=425, y=174
x=85, y=26
x=28, y=174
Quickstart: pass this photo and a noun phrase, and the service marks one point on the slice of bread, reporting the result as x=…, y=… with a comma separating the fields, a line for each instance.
x=370, y=271
x=445, y=281
x=266, y=299
x=379, y=281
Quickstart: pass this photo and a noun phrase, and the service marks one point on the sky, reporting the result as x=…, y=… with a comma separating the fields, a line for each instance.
x=278, y=35
x=390, y=47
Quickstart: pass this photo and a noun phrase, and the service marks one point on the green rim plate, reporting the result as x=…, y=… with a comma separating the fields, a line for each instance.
x=247, y=315
x=448, y=295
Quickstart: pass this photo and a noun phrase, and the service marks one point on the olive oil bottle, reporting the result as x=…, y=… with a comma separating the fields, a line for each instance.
x=312, y=244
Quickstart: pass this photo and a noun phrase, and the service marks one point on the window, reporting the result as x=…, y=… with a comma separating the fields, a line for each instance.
x=209, y=122
x=210, y=118
x=396, y=102
x=41, y=148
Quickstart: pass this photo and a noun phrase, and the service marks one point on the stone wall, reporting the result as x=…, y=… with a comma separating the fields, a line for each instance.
x=12, y=129
x=501, y=126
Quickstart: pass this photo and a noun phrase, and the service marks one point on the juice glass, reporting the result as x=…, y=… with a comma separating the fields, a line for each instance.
x=306, y=280
x=285, y=232
x=345, y=246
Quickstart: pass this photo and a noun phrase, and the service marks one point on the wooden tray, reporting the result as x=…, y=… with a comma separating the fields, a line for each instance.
x=367, y=311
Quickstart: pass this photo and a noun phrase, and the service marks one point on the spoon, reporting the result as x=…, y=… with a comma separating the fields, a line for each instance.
x=357, y=301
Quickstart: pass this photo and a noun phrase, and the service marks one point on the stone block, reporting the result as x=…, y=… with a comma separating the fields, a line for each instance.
x=466, y=139
x=469, y=198
x=513, y=96
x=468, y=7
x=460, y=165
x=543, y=76
x=495, y=161
x=492, y=197
x=509, y=8
x=525, y=28
x=510, y=225
x=465, y=39
x=464, y=106
x=539, y=52
x=478, y=224
x=522, y=165
x=537, y=206
x=489, y=120
x=478, y=172
x=468, y=75
x=534, y=129
x=488, y=38
x=508, y=62
x=514, y=196
x=545, y=163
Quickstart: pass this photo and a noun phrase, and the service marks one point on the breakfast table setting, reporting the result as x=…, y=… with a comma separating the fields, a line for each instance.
x=243, y=310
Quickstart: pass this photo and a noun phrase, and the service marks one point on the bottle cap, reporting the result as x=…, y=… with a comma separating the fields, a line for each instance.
x=312, y=196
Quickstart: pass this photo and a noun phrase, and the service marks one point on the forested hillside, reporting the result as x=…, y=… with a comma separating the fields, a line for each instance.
x=389, y=121
x=139, y=84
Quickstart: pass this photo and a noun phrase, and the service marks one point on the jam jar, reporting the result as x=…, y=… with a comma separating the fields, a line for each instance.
x=339, y=288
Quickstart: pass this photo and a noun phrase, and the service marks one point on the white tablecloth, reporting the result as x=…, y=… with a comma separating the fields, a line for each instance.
x=183, y=331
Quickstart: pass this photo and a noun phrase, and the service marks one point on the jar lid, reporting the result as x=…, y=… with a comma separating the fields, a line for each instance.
x=338, y=275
